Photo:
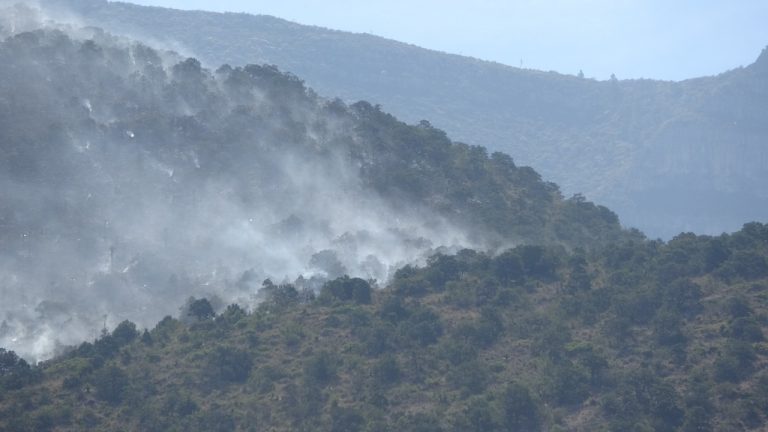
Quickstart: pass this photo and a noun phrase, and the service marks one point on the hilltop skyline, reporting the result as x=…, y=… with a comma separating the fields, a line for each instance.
x=630, y=39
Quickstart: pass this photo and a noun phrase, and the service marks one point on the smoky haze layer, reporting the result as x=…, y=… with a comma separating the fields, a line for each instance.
x=132, y=180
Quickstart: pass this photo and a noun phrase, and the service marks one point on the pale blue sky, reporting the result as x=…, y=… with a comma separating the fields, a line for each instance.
x=664, y=39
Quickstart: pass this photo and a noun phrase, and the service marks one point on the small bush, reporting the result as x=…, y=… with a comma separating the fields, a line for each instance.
x=111, y=384
x=229, y=365
x=320, y=369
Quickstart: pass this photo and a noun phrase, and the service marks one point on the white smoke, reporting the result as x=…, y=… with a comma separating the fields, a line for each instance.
x=117, y=226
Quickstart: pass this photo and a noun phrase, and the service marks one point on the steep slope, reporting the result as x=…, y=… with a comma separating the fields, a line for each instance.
x=639, y=336
x=664, y=155
x=132, y=179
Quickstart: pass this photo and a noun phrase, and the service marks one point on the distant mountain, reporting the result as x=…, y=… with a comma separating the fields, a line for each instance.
x=132, y=178
x=667, y=156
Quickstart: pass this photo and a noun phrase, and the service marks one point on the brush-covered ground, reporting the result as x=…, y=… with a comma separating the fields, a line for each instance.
x=640, y=336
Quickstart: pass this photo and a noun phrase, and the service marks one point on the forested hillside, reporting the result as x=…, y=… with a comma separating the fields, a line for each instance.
x=133, y=178
x=226, y=250
x=666, y=156
x=639, y=336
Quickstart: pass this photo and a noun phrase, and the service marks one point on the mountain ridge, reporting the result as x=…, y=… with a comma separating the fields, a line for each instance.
x=591, y=137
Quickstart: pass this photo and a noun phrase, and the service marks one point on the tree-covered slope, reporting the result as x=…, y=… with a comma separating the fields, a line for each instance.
x=134, y=178
x=667, y=156
x=325, y=266
x=638, y=336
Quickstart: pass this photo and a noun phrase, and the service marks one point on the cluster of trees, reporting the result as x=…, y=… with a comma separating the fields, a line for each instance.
x=15, y=372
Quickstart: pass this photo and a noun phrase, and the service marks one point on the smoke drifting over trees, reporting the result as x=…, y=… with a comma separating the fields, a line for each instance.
x=132, y=179
x=136, y=183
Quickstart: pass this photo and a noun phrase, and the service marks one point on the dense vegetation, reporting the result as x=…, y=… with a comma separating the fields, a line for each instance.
x=666, y=156
x=639, y=336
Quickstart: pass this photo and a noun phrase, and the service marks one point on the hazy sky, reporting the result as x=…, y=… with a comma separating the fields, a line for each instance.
x=666, y=39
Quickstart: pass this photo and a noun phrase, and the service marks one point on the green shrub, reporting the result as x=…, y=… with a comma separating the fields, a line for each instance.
x=419, y=423
x=470, y=377
x=200, y=309
x=125, y=333
x=386, y=371
x=456, y=349
x=746, y=329
x=228, y=365
x=320, y=369
x=736, y=362
x=344, y=419
x=520, y=412
x=478, y=415
x=377, y=339
x=423, y=326
x=346, y=289
x=111, y=384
